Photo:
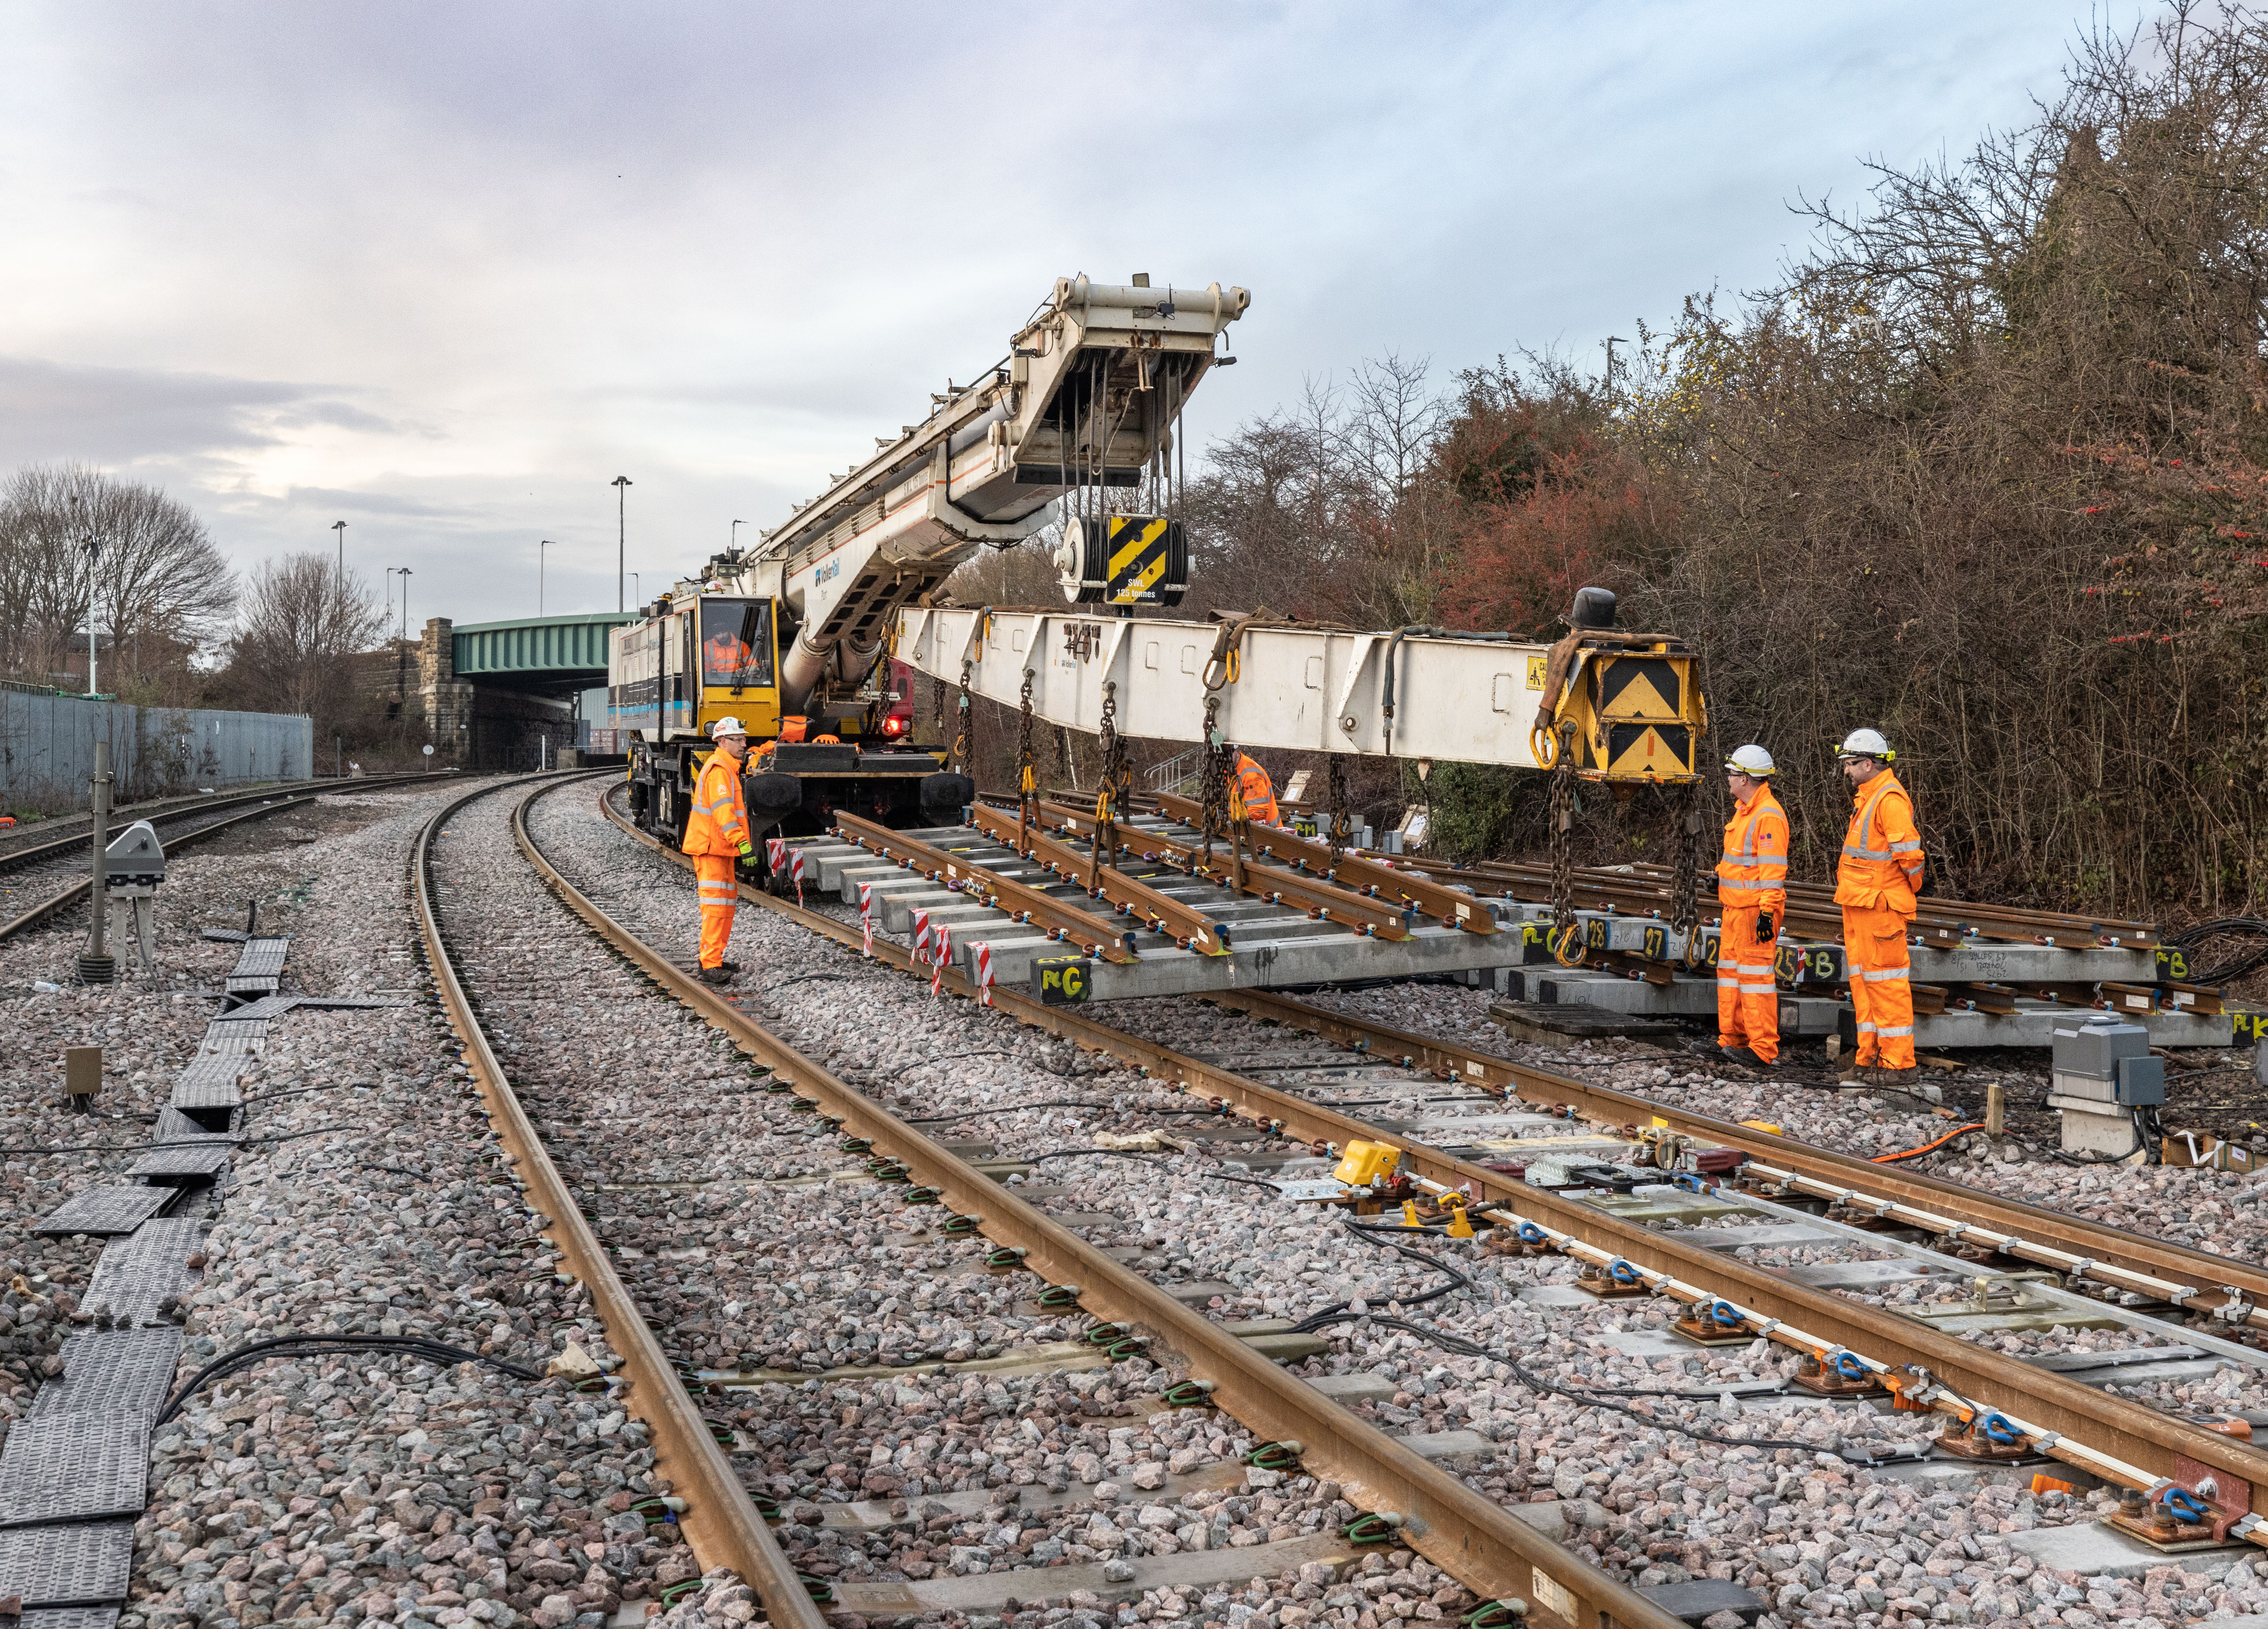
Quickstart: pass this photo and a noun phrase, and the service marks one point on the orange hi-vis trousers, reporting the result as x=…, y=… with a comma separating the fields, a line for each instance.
x=719, y=892
x=1747, y=1000
x=1881, y=985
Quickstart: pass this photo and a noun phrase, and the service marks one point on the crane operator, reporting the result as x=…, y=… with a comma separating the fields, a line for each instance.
x=726, y=655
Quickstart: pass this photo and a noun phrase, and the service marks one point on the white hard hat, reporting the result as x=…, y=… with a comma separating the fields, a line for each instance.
x=723, y=727
x=1752, y=760
x=1864, y=744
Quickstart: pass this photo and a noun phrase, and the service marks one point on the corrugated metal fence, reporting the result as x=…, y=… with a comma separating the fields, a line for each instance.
x=46, y=747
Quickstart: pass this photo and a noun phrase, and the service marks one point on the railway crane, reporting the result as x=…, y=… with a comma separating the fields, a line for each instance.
x=805, y=635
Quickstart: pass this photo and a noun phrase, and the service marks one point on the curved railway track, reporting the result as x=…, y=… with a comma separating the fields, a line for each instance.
x=1424, y=1507
x=64, y=851
x=1979, y=1387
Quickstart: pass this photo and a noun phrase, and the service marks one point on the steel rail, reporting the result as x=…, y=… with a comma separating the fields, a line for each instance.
x=75, y=892
x=1322, y=901
x=2113, y=1256
x=1187, y=927
x=1936, y=919
x=1442, y=1518
x=1089, y=932
x=720, y=1522
x=1353, y=870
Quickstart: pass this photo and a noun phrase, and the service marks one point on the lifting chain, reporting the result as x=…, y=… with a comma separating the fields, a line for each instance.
x=1027, y=785
x=1218, y=764
x=937, y=707
x=1341, y=833
x=1685, y=877
x=1116, y=784
x=961, y=744
x=1567, y=944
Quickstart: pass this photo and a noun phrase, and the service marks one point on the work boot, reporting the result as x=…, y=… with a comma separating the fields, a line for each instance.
x=1742, y=1056
x=730, y=967
x=719, y=975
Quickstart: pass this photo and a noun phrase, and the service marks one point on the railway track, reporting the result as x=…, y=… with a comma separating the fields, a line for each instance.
x=51, y=861
x=2034, y=1407
x=64, y=830
x=1178, y=1361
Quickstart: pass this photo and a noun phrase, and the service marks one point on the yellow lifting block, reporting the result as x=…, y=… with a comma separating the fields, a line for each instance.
x=1461, y=1225
x=1364, y=1163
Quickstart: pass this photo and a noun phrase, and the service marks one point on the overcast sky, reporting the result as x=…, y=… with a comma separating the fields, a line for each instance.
x=443, y=271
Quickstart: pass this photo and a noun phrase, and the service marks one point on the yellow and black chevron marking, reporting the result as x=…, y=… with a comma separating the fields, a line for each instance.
x=1138, y=557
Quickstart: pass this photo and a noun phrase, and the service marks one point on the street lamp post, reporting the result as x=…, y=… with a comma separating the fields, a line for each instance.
x=540, y=548
x=340, y=527
x=405, y=602
x=640, y=581
x=733, y=547
x=93, y=544
x=621, y=556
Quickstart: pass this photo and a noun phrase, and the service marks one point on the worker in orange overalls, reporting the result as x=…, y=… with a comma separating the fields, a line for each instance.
x=1875, y=883
x=725, y=654
x=716, y=835
x=1251, y=783
x=1752, y=895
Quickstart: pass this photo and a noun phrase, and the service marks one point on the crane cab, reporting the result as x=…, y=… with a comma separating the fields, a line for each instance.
x=694, y=658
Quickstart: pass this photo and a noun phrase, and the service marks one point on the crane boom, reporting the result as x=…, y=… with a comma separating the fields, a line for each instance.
x=1633, y=701
x=1083, y=407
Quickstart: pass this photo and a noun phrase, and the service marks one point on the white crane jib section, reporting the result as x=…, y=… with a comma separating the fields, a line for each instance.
x=1086, y=401
x=1430, y=695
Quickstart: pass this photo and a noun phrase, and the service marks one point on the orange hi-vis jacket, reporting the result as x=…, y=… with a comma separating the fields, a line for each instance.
x=719, y=821
x=1882, y=862
x=725, y=653
x=1258, y=792
x=1753, y=870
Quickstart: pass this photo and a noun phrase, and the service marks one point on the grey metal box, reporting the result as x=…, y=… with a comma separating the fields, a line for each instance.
x=2094, y=1049
x=2141, y=1080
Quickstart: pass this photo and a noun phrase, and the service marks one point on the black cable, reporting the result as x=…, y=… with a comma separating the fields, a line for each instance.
x=1587, y=1397
x=314, y=1345
x=2234, y=927
x=1337, y=1312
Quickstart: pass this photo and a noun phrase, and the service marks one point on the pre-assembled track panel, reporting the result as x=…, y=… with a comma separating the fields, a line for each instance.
x=1445, y=1520
x=720, y=1522
x=2126, y=1431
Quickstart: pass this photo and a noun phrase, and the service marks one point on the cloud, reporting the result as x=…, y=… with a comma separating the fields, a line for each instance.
x=371, y=504
x=115, y=414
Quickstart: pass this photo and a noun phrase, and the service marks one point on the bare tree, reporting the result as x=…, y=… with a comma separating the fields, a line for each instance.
x=300, y=631
x=158, y=586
